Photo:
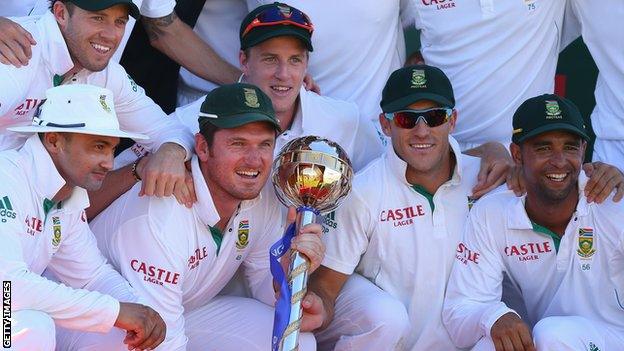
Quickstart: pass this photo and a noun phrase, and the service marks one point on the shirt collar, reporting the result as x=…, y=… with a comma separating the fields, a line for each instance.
x=47, y=181
x=517, y=218
x=55, y=53
x=398, y=167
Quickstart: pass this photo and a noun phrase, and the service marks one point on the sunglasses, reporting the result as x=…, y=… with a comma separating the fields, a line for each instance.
x=280, y=15
x=408, y=119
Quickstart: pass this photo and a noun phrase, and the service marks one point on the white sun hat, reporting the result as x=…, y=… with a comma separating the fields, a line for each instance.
x=77, y=108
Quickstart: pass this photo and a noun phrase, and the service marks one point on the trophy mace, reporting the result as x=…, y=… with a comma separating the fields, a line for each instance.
x=314, y=175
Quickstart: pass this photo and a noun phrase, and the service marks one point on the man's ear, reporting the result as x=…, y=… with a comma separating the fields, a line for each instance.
x=453, y=121
x=385, y=124
x=242, y=61
x=516, y=153
x=60, y=13
x=201, y=147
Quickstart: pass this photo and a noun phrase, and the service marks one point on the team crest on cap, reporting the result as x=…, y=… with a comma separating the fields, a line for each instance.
x=586, y=243
x=251, y=98
x=285, y=10
x=243, y=234
x=56, y=230
x=471, y=202
x=103, y=103
x=419, y=80
x=552, y=110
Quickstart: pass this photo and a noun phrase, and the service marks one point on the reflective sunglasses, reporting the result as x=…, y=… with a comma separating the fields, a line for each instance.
x=408, y=119
x=280, y=15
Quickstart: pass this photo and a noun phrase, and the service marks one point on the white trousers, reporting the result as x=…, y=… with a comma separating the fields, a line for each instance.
x=365, y=318
x=32, y=331
x=609, y=151
x=569, y=333
x=226, y=323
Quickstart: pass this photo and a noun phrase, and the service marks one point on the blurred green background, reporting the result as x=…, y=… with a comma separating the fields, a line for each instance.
x=575, y=80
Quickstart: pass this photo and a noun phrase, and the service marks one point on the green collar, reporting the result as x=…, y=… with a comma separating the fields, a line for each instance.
x=48, y=205
x=57, y=80
x=541, y=229
x=422, y=191
x=217, y=236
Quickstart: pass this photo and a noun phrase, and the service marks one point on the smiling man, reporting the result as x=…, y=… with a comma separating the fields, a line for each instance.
x=564, y=253
x=43, y=226
x=75, y=42
x=179, y=259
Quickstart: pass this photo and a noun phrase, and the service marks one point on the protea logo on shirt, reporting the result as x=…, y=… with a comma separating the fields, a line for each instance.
x=440, y=4
x=6, y=210
x=401, y=216
x=56, y=231
x=586, y=243
x=243, y=234
x=153, y=274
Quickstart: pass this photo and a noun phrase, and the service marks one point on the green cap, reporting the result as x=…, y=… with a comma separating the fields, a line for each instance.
x=97, y=5
x=410, y=84
x=546, y=113
x=262, y=33
x=233, y=105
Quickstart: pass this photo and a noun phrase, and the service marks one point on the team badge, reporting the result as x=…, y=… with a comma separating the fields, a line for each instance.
x=593, y=347
x=471, y=202
x=418, y=78
x=243, y=234
x=552, y=110
x=103, y=103
x=56, y=230
x=285, y=10
x=251, y=99
x=586, y=243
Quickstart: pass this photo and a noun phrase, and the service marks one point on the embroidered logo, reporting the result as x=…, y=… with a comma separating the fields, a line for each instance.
x=552, y=110
x=251, y=99
x=103, y=103
x=419, y=80
x=243, y=234
x=56, y=230
x=586, y=243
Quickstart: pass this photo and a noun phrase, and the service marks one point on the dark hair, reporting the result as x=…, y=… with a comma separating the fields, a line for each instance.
x=67, y=3
x=208, y=131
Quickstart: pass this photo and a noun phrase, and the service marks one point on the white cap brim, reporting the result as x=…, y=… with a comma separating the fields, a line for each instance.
x=103, y=132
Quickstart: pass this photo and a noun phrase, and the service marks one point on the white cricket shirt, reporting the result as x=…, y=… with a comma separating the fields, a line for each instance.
x=23, y=89
x=497, y=54
x=403, y=239
x=581, y=273
x=602, y=28
x=175, y=262
x=37, y=234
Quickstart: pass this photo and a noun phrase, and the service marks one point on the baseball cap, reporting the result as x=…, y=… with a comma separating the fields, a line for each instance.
x=410, y=84
x=97, y=5
x=77, y=108
x=233, y=105
x=546, y=113
x=281, y=20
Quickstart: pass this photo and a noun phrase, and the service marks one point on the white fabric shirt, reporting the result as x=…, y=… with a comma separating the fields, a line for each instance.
x=22, y=89
x=497, y=54
x=37, y=234
x=317, y=115
x=557, y=277
x=168, y=253
x=19, y=8
x=387, y=231
x=602, y=28
x=357, y=44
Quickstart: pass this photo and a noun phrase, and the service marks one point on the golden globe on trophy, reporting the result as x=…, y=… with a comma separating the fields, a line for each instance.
x=314, y=175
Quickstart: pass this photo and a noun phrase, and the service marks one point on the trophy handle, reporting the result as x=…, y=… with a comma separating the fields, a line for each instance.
x=298, y=282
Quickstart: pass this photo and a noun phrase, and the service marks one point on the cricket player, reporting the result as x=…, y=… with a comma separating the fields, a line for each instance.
x=75, y=42
x=43, y=226
x=565, y=254
x=179, y=259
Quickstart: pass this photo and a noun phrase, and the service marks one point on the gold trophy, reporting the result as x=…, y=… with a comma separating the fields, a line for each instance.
x=314, y=175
